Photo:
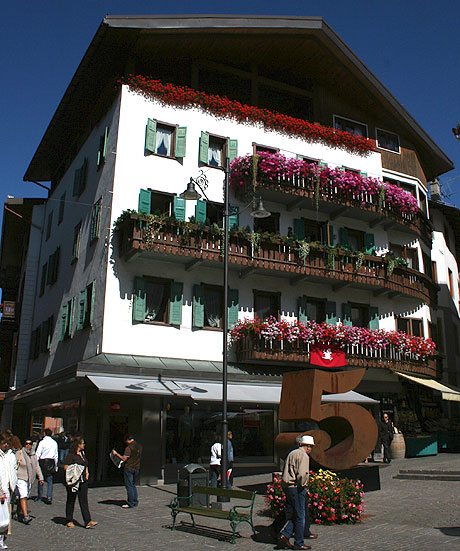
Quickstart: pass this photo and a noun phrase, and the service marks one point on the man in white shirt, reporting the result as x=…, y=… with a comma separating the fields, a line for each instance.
x=47, y=455
x=214, y=464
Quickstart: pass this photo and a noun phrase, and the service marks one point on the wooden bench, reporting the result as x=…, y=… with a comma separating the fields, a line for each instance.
x=234, y=515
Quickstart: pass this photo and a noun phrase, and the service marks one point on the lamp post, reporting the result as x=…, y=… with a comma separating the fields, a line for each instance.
x=258, y=212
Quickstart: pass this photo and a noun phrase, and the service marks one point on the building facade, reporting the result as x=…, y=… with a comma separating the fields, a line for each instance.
x=126, y=330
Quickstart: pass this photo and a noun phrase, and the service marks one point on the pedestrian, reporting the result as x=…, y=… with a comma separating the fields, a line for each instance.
x=8, y=480
x=28, y=471
x=76, y=477
x=131, y=465
x=63, y=442
x=295, y=480
x=47, y=455
x=215, y=464
x=386, y=433
x=230, y=455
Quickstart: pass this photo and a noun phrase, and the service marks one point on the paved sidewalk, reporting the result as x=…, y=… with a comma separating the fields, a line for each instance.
x=404, y=515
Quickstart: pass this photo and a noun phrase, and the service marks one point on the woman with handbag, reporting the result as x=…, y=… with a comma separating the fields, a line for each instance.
x=28, y=471
x=76, y=478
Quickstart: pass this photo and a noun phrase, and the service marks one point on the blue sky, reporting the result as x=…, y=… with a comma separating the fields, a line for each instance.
x=413, y=47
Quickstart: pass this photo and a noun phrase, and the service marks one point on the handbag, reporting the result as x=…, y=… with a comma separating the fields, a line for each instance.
x=47, y=466
x=4, y=516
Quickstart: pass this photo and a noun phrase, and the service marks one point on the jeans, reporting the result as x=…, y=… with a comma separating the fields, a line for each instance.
x=295, y=509
x=49, y=489
x=62, y=456
x=215, y=472
x=82, y=500
x=129, y=476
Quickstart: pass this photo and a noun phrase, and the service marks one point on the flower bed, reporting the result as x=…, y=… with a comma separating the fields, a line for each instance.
x=275, y=167
x=311, y=332
x=182, y=96
x=331, y=499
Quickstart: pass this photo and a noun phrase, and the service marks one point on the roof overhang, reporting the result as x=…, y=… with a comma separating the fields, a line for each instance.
x=122, y=39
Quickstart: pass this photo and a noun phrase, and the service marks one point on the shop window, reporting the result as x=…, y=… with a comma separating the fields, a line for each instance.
x=312, y=309
x=410, y=326
x=387, y=140
x=352, y=127
x=157, y=300
x=271, y=224
x=76, y=242
x=266, y=304
x=259, y=148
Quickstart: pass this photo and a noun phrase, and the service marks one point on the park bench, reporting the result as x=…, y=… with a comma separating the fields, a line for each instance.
x=234, y=515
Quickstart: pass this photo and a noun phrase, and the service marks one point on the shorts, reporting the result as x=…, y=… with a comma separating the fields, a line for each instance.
x=23, y=488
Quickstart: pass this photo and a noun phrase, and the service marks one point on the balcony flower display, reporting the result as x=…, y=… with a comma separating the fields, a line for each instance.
x=341, y=336
x=276, y=168
x=221, y=106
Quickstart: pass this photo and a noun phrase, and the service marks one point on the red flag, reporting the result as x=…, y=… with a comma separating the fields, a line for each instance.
x=327, y=356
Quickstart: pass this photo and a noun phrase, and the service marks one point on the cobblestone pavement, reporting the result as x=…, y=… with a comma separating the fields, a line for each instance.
x=412, y=515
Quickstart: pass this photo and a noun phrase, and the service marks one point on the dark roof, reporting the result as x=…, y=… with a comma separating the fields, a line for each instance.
x=308, y=44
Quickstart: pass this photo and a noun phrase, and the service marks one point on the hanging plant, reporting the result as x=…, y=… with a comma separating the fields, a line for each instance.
x=304, y=250
x=317, y=187
x=360, y=260
x=254, y=239
x=381, y=198
x=330, y=264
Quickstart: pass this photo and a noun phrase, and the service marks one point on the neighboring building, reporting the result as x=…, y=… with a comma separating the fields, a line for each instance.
x=126, y=332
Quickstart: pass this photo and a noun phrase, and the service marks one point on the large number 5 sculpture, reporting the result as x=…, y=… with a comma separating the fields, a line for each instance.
x=301, y=400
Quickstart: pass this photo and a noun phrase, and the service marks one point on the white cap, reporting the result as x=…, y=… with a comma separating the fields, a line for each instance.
x=306, y=440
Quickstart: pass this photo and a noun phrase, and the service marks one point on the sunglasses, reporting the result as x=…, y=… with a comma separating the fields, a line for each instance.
x=28, y=443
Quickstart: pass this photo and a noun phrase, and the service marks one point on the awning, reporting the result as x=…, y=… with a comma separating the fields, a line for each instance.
x=448, y=392
x=211, y=391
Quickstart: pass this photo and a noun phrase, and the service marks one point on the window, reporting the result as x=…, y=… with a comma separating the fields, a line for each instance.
x=102, y=151
x=35, y=343
x=387, y=140
x=215, y=149
x=258, y=148
x=355, y=239
x=359, y=315
x=86, y=306
x=213, y=306
x=352, y=127
x=53, y=267
x=79, y=179
x=96, y=219
x=307, y=159
x=67, y=312
x=312, y=309
x=427, y=265
x=43, y=279
x=410, y=326
x=61, y=208
x=434, y=271
x=271, y=224
x=409, y=188
x=451, y=282
x=423, y=206
x=311, y=230
x=166, y=140
x=49, y=226
x=76, y=242
x=409, y=254
x=208, y=306
x=156, y=300
x=46, y=334
x=266, y=304
x=156, y=202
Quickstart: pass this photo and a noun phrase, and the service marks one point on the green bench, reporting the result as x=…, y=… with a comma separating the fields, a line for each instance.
x=234, y=515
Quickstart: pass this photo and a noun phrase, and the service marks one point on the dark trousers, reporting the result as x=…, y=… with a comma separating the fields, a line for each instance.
x=129, y=476
x=386, y=450
x=82, y=500
x=295, y=513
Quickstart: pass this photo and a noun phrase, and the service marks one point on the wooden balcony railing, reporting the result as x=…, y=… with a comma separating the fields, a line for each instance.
x=340, y=269
x=252, y=349
x=303, y=188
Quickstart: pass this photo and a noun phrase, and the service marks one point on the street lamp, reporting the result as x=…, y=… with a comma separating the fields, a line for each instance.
x=258, y=211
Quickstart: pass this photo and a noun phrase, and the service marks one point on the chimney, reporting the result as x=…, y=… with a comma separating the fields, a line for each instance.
x=435, y=188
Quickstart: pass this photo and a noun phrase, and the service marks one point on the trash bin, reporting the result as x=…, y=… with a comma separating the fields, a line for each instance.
x=189, y=476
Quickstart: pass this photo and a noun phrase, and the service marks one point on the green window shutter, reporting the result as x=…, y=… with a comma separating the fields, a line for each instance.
x=204, y=148
x=101, y=154
x=63, y=322
x=139, y=299
x=176, y=300
x=363, y=174
x=145, y=201
x=346, y=314
x=299, y=157
x=50, y=332
x=181, y=141
x=369, y=243
x=200, y=211
x=331, y=313
x=343, y=237
x=76, y=182
x=299, y=229
x=233, y=216
x=198, y=306
x=233, y=307
x=302, y=316
x=179, y=208
x=81, y=310
x=232, y=149
x=373, y=317
x=91, y=306
x=150, y=133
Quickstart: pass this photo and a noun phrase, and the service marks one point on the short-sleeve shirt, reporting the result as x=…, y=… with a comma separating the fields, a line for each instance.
x=133, y=452
x=75, y=458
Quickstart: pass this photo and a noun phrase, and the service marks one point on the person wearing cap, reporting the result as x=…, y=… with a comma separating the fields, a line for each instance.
x=295, y=480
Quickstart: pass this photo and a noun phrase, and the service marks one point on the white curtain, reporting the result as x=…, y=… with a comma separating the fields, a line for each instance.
x=212, y=301
x=163, y=141
x=215, y=155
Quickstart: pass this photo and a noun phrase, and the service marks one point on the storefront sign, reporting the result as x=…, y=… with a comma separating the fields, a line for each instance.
x=9, y=309
x=115, y=407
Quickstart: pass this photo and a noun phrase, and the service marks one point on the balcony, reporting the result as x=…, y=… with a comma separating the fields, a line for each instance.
x=334, y=192
x=256, y=350
x=186, y=243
